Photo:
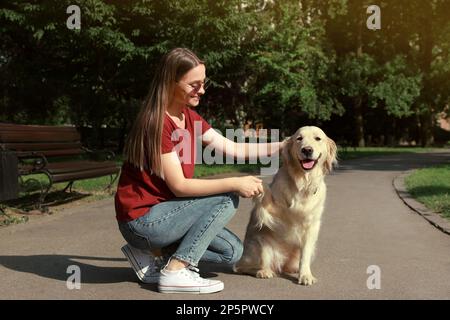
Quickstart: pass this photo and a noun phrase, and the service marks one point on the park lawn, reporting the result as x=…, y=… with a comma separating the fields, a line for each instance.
x=203, y=170
x=97, y=185
x=343, y=154
x=94, y=189
x=431, y=186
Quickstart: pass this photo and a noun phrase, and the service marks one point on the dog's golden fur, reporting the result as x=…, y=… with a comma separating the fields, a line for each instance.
x=285, y=221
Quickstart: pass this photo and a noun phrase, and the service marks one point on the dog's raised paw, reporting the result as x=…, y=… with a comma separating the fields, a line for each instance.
x=307, y=279
x=265, y=274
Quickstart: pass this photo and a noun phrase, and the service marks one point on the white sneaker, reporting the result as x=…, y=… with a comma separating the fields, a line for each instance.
x=187, y=280
x=145, y=264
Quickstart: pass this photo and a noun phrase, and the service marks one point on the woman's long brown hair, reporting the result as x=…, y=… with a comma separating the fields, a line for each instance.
x=143, y=147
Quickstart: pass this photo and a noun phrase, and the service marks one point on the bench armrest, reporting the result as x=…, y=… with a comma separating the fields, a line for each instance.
x=100, y=155
x=39, y=163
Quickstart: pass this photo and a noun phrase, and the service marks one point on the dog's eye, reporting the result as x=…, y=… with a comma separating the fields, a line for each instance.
x=318, y=139
x=300, y=138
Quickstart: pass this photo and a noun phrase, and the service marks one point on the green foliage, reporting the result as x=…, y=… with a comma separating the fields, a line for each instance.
x=357, y=74
x=397, y=90
x=290, y=68
x=284, y=63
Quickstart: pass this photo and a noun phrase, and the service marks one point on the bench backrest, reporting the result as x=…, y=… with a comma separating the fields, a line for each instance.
x=52, y=141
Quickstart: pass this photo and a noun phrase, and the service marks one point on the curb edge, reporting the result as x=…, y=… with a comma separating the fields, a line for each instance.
x=432, y=217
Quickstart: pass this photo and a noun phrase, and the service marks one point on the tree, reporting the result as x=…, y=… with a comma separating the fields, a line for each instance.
x=287, y=63
x=289, y=68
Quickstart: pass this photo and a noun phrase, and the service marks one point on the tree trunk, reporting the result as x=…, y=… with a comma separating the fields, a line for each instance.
x=392, y=140
x=426, y=134
x=123, y=131
x=357, y=102
x=359, y=122
x=426, y=48
x=418, y=131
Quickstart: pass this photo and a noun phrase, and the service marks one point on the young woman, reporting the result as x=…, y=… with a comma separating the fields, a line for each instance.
x=159, y=204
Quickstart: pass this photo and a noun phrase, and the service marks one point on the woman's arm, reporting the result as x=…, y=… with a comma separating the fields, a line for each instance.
x=240, y=150
x=180, y=186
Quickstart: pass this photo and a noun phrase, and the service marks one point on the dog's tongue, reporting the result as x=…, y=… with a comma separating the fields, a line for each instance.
x=308, y=164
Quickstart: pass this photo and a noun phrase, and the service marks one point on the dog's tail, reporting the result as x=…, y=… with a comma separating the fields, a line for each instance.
x=263, y=206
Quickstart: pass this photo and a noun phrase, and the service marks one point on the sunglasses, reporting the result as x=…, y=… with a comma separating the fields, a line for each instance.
x=195, y=87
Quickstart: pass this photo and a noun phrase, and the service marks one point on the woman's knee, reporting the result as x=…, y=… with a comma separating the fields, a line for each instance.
x=235, y=248
x=238, y=249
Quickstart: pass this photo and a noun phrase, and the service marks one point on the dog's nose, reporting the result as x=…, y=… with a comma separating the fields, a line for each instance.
x=307, y=151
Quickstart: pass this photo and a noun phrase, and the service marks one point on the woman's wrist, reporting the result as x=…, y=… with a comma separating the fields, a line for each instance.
x=232, y=184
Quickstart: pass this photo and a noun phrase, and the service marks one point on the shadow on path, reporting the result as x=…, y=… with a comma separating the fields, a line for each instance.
x=55, y=267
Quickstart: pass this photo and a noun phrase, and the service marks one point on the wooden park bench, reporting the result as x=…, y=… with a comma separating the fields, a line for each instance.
x=55, y=151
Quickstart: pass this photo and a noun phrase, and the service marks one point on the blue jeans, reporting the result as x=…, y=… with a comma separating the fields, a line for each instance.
x=196, y=225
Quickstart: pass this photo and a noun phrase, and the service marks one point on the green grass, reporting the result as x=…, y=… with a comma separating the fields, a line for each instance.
x=203, y=170
x=93, y=189
x=6, y=218
x=343, y=154
x=431, y=186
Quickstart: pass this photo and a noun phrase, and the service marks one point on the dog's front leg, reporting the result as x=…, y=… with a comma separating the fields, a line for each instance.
x=309, y=240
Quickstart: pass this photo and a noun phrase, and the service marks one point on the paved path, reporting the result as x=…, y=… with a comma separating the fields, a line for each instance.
x=364, y=224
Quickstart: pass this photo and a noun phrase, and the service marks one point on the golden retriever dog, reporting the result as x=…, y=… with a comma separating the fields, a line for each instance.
x=285, y=221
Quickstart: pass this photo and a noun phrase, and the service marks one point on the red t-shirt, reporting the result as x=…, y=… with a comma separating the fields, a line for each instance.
x=137, y=190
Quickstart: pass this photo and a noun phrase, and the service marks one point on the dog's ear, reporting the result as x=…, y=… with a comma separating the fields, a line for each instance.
x=331, y=155
x=285, y=152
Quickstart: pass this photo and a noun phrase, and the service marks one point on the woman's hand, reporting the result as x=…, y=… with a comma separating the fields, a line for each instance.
x=248, y=186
